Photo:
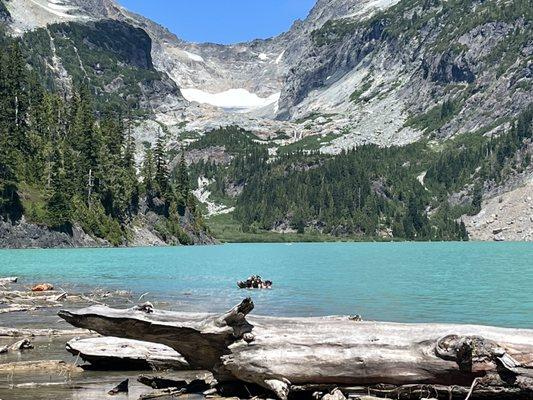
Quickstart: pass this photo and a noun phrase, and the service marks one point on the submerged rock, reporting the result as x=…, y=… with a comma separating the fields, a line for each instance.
x=122, y=387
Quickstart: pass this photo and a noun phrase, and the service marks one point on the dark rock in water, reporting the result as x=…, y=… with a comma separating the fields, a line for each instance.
x=122, y=387
x=21, y=345
x=255, y=282
x=157, y=382
x=177, y=387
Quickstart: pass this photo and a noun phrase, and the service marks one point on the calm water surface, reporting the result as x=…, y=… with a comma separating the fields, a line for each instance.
x=486, y=283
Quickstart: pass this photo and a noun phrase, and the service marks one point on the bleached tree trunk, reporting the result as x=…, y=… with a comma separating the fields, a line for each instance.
x=284, y=354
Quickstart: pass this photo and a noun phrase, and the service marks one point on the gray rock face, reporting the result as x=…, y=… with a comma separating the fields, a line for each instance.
x=419, y=69
x=23, y=235
x=405, y=72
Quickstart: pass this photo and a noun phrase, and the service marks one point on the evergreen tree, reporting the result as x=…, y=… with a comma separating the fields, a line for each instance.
x=148, y=172
x=183, y=177
x=161, y=168
x=477, y=199
x=58, y=205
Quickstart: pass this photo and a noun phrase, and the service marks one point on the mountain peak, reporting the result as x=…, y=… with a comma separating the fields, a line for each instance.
x=31, y=14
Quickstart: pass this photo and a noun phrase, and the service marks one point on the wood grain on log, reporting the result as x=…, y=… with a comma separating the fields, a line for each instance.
x=279, y=353
x=203, y=339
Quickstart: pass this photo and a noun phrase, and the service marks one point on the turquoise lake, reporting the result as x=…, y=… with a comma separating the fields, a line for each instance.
x=484, y=283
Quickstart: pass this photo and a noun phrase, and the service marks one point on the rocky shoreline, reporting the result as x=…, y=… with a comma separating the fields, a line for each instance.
x=35, y=361
x=26, y=235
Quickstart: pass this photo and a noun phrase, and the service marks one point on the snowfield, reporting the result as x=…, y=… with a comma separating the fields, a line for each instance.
x=194, y=57
x=233, y=99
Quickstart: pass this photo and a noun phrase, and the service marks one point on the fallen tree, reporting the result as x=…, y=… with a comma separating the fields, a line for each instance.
x=15, y=332
x=116, y=353
x=313, y=354
x=58, y=366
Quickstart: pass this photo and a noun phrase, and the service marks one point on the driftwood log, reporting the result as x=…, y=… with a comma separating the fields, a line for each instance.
x=116, y=353
x=59, y=366
x=15, y=332
x=310, y=354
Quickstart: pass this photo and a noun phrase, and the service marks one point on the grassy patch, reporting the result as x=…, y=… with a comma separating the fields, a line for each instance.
x=34, y=203
x=226, y=229
x=355, y=97
x=312, y=117
x=309, y=143
x=435, y=118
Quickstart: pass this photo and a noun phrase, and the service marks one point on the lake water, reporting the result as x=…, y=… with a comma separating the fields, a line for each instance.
x=485, y=283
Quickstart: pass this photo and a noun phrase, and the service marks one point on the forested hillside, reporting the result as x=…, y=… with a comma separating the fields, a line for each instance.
x=65, y=165
x=371, y=192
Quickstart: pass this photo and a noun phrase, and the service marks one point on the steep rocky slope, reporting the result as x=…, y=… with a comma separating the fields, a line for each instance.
x=506, y=213
x=391, y=71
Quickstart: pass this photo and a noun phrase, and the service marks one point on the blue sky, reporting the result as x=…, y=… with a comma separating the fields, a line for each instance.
x=222, y=21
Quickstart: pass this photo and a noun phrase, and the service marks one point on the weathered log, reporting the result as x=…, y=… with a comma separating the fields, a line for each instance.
x=163, y=394
x=415, y=391
x=116, y=353
x=50, y=366
x=158, y=382
x=14, y=332
x=204, y=339
x=19, y=308
x=286, y=352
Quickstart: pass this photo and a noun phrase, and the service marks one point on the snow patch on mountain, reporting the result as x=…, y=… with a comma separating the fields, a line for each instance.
x=240, y=100
x=30, y=14
x=368, y=9
x=194, y=57
x=202, y=195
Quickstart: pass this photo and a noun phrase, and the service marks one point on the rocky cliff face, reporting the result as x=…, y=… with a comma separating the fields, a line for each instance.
x=374, y=65
x=385, y=72
x=24, y=235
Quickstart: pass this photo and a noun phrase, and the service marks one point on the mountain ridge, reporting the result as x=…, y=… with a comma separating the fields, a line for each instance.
x=353, y=73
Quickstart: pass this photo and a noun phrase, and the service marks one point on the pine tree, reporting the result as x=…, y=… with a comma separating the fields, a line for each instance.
x=16, y=101
x=477, y=198
x=58, y=205
x=148, y=172
x=183, y=177
x=161, y=168
x=84, y=138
